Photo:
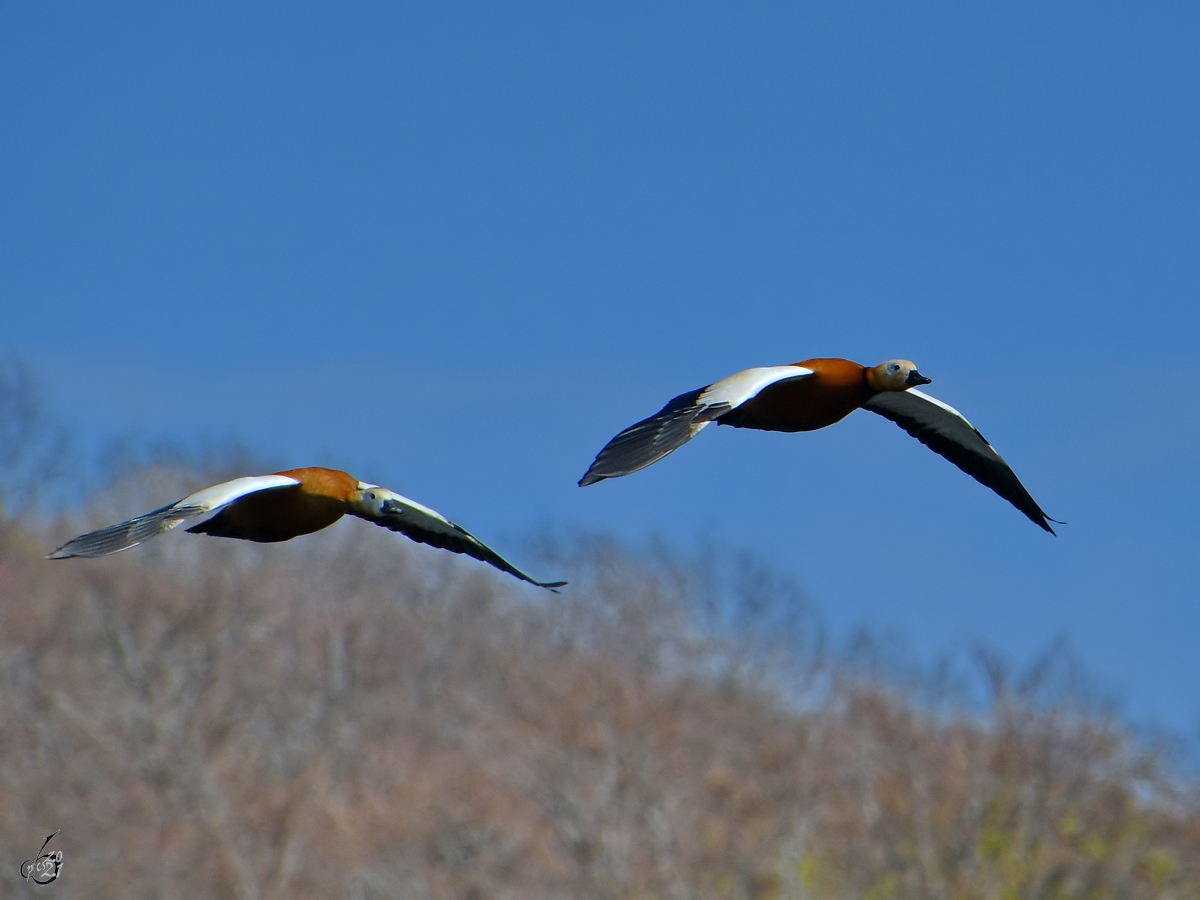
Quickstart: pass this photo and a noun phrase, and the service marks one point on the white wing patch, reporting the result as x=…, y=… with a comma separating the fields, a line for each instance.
x=936, y=402
x=421, y=507
x=421, y=524
x=130, y=533
x=225, y=493
x=371, y=507
x=737, y=389
x=950, y=409
x=684, y=417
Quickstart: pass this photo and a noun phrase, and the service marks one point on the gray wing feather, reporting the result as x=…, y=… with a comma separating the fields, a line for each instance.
x=651, y=439
x=124, y=535
x=950, y=435
x=420, y=526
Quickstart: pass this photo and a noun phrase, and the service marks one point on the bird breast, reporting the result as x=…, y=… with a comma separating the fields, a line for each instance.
x=836, y=388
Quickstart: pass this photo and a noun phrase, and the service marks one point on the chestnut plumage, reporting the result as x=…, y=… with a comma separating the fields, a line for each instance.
x=809, y=395
x=279, y=507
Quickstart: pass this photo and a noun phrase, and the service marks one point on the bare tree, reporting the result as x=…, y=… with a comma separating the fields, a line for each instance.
x=351, y=715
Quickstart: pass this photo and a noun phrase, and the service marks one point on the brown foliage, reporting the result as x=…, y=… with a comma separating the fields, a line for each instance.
x=351, y=715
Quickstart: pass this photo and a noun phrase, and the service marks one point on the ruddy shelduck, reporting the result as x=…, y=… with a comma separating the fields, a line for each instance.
x=279, y=507
x=809, y=395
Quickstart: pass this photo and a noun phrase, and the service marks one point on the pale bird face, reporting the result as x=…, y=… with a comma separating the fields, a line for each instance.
x=374, y=500
x=898, y=375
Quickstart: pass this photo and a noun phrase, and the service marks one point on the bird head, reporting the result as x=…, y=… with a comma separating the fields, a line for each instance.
x=896, y=375
x=374, y=501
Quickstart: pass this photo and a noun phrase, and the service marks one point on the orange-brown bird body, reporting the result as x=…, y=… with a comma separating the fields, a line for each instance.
x=809, y=395
x=284, y=505
x=321, y=498
x=835, y=389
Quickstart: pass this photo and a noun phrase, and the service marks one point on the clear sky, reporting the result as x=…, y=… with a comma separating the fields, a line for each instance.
x=455, y=247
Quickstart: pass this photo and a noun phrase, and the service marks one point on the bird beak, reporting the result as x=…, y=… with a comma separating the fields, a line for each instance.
x=914, y=378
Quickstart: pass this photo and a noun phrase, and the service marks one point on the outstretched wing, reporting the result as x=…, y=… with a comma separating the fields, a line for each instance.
x=124, y=535
x=425, y=526
x=681, y=420
x=945, y=431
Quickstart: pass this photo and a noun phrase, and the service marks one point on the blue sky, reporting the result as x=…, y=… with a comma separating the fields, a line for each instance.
x=456, y=247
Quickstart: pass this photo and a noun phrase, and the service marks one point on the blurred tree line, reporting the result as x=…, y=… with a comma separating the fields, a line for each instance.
x=350, y=715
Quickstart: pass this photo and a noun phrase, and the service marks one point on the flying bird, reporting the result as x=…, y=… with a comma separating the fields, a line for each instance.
x=279, y=507
x=809, y=395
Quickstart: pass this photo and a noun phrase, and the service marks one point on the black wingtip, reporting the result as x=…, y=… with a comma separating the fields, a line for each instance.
x=1046, y=524
x=589, y=478
x=551, y=585
x=1044, y=521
